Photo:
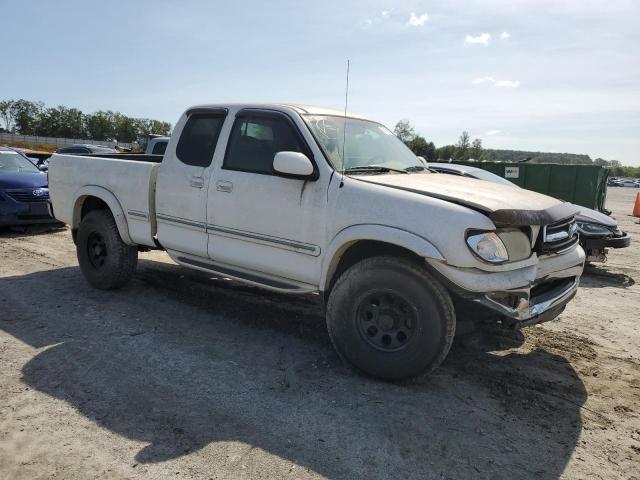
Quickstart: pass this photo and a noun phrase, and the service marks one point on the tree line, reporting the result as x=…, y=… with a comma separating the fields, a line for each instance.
x=34, y=118
x=466, y=149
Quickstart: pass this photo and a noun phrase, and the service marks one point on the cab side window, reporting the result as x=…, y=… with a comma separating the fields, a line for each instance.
x=198, y=139
x=255, y=140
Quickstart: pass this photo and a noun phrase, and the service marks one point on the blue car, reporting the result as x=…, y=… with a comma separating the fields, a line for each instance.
x=23, y=191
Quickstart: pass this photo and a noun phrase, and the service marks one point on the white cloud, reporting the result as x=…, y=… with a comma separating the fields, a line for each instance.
x=496, y=83
x=493, y=132
x=484, y=79
x=504, y=35
x=370, y=22
x=507, y=83
x=418, y=21
x=483, y=39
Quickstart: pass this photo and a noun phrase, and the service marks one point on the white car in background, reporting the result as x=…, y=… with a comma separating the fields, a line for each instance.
x=628, y=183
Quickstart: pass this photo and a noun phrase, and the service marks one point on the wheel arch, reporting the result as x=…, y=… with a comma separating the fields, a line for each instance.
x=362, y=241
x=93, y=197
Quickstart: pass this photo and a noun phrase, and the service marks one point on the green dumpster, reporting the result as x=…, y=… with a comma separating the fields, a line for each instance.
x=584, y=185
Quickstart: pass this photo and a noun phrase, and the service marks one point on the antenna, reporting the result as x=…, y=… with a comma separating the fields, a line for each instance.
x=344, y=127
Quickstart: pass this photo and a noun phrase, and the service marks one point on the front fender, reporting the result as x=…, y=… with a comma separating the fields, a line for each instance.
x=396, y=236
x=112, y=202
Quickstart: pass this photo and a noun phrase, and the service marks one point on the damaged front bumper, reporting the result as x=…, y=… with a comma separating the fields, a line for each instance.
x=528, y=307
x=537, y=290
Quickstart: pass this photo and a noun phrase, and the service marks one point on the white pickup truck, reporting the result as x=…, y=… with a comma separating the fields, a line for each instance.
x=299, y=200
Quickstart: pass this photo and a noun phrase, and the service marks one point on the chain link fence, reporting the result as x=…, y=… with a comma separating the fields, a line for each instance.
x=14, y=137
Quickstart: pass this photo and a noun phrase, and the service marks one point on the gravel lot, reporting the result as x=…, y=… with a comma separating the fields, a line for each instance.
x=181, y=375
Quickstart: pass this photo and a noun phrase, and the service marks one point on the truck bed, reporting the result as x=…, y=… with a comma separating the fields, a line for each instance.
x=130, y=183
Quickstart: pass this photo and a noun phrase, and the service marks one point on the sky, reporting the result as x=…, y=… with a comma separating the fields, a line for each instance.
x=559, y=76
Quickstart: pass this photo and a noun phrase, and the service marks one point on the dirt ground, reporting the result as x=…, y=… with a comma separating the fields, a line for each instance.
x=181, y=375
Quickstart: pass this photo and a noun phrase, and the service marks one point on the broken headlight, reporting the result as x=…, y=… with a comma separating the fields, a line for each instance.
x=504, y=245
x=488, y=246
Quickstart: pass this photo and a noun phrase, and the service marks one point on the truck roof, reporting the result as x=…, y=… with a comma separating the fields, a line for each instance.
x=300, y=109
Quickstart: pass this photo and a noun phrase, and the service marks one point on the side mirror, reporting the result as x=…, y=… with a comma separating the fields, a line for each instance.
x=293, y=165
x=43, y=167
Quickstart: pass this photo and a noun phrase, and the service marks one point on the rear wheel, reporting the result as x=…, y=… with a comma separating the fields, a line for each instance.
x=388, y=317
x=105, y=260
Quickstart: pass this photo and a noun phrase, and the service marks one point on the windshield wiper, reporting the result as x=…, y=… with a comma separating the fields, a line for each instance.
x=415, y=168
x=373, y=169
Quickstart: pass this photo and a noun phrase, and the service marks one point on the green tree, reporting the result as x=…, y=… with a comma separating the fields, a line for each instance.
x=161, y=128
x=27, y=116
x=7, y=115
x=404, y=131
x=72, y=123
x=615, y=163
x=463, y=147
x=48, y=123
x=476, y=149
x=536, y=157
x=99, y=125
x=61, y=121
x=32, y=118
x=446, y=152
x=422, y=148
x=125, y=128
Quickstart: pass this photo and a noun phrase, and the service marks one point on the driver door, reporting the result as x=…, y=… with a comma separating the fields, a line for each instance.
x=257, y=220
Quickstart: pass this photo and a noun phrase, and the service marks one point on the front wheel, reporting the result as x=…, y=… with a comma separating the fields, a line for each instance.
x=388, y=317
x=105, y=260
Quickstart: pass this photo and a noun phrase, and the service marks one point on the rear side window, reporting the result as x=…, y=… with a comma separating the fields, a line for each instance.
x=198, y=140
x=159, y=148
x=255, y=140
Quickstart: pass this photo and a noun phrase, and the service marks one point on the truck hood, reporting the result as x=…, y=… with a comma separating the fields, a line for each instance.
x=23, y=180
x=503, y=204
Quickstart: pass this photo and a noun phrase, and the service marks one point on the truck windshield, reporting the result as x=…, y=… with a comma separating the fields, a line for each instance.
x=361, y=146
x=14, y=162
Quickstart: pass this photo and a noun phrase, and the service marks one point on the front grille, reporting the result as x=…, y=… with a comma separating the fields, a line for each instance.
x=30, y=195
x=557, y=237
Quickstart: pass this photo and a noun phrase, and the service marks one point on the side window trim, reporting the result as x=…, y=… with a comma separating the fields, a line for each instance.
x=249, y=113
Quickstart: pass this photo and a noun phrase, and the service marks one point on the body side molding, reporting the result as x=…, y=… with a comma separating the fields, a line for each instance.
x=278, y=242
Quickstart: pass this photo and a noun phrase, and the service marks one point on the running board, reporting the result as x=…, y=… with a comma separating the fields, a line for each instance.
x=271, y=283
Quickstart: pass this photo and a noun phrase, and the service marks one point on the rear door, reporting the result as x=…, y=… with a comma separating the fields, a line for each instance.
x=183, y=180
